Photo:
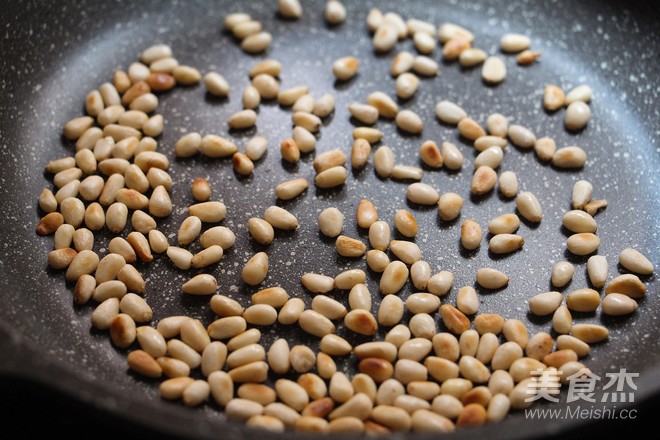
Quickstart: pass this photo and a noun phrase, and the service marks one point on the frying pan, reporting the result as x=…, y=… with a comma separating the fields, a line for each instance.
x=56, y=52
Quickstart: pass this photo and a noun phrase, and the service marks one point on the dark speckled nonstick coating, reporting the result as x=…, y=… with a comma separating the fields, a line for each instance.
x=54, y=53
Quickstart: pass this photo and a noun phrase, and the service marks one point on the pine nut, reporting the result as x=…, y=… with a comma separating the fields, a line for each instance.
x=390, y=311
x=469, y=342
x=490, y=157
x=545, y=303
x=141, y=362
x=483, y=180
x=369, y=134
x=345, y=68
x=597, y=270
x=349, y=247
x=504, y=224
x=94, y=216
x=627, y=284
x=529, y=207
x=406, y=251
x=590, y=333
x=569, y=157
x=73, y=210
x=521, y=136
x=308, y=121
x=89, y=138
x=514, y=43
x=409, y=121
x=579, y=221
x=215, y=146
x=422, y=194
x=394, y=277
x=553, y=97
x=562, y=321
x=452, y=48
x=449, y=113
x=84, y=289
x=328, y=307
x=491, y=278
x=246, y=355
x=359, y=297
x=133, y=305
x=617, y=304
x=471, y=57
x=449, y=31
x=500, y=382
x=467, y=300
x=379, y=235
x=385, y=38
x=484, y=142
x=488, y=323
x=121, y=247
x=361, y=321
x=349, y=278
x=304, y=104
x=407, y=85
x=360, y=152
x=377, y=260
x=384, y=161
x=122, y=330
x=420, y=274
x=454, y=319
x=242, y=409
x=328, y=160
x=222, y=388
x=471, y=234
x=635, y=261
x=315, y=324
x=387, y=108
x=538, y=346
x=505, y=243
x=583, y=243
x=85, y=262
x=109, y=289
x=151, y=341
x=248, y=337
x=514, y=330
x=273, y=296
x=324, y=106
x=469, y=129
x=301, y=358
x=317, y=283
x=582, y=93
x=577, y=116
x=493, y=71
x=218, y=235
x=331, y=222
x=582, y=191
x=331, y=178
x=202, y=284
x=63, y=177
x=364, y=113
x=104, y=313
x=425, y=66
x=440, y=283
x=280, y=218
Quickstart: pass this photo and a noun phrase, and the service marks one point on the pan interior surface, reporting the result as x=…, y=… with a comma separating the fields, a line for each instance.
x=56, y=53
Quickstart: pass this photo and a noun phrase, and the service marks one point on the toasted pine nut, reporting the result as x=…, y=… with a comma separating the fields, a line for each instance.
x=349, y=247
x=583, y=300
x=385, y=38
x=406, y=85
x=261, y=230
x=227, y=327
x=122, y=330
x=369, y=134
x=151, y=341
x=483, y=180
x=387, y=108
x=491, y=157
x=401, y=63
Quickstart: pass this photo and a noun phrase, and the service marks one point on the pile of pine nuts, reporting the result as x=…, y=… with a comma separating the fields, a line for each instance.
x=474, y=369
